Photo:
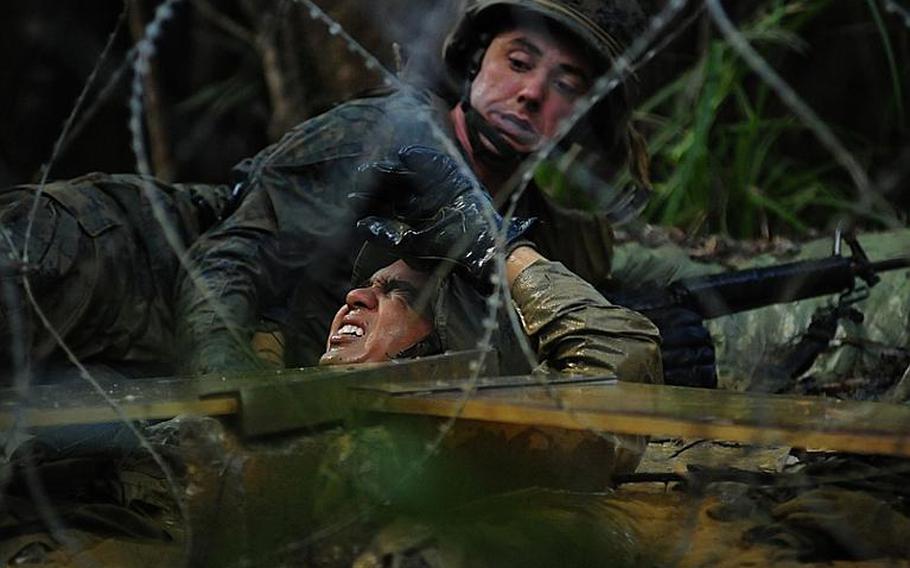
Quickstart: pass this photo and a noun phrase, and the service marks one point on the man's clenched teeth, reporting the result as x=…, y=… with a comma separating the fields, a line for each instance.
x=350, y=329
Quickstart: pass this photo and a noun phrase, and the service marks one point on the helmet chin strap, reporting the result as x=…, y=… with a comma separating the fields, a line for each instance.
x=503, y=156
x=429, y=345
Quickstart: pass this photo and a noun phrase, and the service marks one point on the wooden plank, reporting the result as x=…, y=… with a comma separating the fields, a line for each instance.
x=80, y=403
x=98, y=414
x=265, y=401
x=862, y=427
x=629, y=408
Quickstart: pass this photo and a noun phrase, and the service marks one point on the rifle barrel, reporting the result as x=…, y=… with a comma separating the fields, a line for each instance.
x=891, y=264
x=741, y=290
x=737, y=291
x=726, y=293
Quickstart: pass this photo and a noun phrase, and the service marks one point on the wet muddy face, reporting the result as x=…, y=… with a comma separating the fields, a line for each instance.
x=378, y=320
x=529, y=82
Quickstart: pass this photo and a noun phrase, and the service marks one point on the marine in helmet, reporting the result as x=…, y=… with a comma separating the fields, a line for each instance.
x=426, y=247
x=402, y=311
x=519, y=68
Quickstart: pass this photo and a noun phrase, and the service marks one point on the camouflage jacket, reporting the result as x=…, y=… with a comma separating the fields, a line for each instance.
x=290, y=246
x=575, y=330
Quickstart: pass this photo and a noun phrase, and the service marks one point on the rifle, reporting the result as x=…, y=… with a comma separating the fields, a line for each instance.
x=742, y=290
x=731, y=292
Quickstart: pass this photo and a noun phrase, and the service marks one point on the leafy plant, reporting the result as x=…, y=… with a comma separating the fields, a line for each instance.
x=716, y=144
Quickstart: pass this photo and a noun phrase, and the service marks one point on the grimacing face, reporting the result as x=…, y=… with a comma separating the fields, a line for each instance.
x=378, y=320
x=529, y=82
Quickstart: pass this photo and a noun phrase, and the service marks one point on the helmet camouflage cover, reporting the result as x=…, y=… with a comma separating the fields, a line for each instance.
x=605, y=27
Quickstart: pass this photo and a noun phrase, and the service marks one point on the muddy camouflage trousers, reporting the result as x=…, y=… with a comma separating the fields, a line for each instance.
x=98, y=266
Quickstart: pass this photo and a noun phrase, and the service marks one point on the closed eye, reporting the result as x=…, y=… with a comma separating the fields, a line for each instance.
x=571, y=80
x=401, y=287
x=570, y=87
x=520, y=65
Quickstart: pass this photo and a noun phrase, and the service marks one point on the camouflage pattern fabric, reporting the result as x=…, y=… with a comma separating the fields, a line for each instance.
x=748, y=342
x=99, y=266
x=878, y=348
x=575, y=331
x=288, y=251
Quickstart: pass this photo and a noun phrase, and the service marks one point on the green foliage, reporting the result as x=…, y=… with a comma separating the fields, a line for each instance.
x=892, y=63
x=716, y=146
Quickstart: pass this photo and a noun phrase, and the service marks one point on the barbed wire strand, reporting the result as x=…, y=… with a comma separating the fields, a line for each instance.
x=145, y=50
x=892, y=7
x=58, y=144
x=495, y=299
x=870, y=200
x=121, y=416
x=22, y=376
x=55, y=524
x=21, y=383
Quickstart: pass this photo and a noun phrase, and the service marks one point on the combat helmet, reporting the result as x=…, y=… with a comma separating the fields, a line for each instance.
x=604, y=28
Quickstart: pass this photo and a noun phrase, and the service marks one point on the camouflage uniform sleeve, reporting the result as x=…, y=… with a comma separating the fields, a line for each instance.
x=236, y=264
x=293, y=224
x=575, y=330
x=216, y=301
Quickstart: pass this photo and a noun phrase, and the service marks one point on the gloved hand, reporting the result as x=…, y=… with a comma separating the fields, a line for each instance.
x=686, y=348
x=424, y=208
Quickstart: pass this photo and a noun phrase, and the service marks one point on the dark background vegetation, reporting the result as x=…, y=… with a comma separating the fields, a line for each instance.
x=231, y=76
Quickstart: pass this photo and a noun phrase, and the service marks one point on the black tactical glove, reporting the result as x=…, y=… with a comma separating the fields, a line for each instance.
x=686, y=348
x=424, y=208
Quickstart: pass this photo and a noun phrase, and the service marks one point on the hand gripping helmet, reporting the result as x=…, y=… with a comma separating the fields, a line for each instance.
x=604, y=28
